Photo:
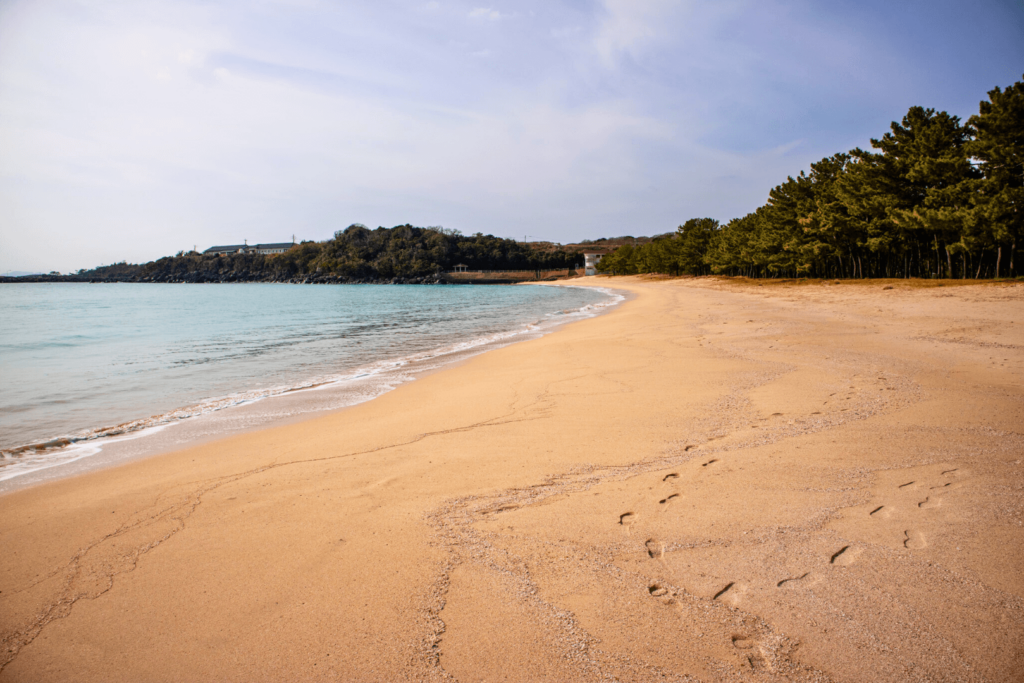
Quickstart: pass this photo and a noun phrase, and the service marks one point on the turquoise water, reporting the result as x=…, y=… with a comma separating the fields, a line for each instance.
x=83, y=364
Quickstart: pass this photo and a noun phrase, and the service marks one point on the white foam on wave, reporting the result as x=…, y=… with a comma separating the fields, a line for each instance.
x=35, y=461
x=390, y=373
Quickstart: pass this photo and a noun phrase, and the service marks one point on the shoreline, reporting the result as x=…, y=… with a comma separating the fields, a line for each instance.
x=89, y=445
x=712, y=481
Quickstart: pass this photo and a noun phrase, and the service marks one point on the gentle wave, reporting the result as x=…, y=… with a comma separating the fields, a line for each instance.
x=61, y=450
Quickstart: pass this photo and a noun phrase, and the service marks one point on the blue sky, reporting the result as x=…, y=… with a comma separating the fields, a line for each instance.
x=132, y=130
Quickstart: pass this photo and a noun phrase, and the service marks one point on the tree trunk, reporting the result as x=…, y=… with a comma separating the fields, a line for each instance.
x=949, y=262
x=981, y=260
x=999, y=257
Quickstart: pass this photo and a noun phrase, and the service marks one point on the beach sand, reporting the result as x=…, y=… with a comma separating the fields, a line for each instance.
x=715, y=481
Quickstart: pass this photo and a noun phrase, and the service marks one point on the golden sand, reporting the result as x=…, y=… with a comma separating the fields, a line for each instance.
x=713, y=482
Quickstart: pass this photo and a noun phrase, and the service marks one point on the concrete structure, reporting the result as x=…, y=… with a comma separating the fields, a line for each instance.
x=590, y=263
x=271, y=248
x=460, y=268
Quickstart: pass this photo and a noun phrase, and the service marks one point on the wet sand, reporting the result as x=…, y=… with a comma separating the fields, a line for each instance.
x=715, y=481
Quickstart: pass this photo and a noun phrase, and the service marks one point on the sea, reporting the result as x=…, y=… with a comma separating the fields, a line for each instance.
x=96, y=374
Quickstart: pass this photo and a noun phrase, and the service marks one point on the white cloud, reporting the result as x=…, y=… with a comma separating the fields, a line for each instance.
x=485, y=13
x=631, y=24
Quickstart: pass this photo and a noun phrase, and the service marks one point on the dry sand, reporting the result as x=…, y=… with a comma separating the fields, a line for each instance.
x=712, y=482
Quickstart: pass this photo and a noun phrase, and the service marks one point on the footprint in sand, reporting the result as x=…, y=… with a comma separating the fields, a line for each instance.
x=655, y=549
x=732, y=593
x=935, y=493
x=673, y=475
x=663, y=594
x=742, y=643
x=914, y=540
x=845, y=556
x=794, y=581
x=668, y=499
x=627, y=518
x=709, y=462
x=749, y=650
x=881, y=512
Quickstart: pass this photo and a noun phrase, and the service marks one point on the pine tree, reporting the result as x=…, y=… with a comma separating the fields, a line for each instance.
x=999, y=149
x=910, y=190
x=692, y=241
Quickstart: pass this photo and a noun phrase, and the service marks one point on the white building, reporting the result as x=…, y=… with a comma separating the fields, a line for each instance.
x=272, y=248
x=590, y=263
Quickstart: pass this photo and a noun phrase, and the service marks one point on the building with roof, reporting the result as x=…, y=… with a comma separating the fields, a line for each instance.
x=591, y=260
x=270, y=248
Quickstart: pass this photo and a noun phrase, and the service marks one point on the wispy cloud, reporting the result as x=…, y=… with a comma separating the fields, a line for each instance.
x=485, y=13
x=630, y=24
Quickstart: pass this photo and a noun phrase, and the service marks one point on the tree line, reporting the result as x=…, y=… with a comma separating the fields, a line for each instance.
x=356, y=254
x=938, y=198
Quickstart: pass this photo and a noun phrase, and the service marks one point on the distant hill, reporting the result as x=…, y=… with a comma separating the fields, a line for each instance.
x=20, y=273
x=602, y=245
x=357, y=254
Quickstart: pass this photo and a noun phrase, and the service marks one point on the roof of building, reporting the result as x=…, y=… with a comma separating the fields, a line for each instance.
x=231, y=248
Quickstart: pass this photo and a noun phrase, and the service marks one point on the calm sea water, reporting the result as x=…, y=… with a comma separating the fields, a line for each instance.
x=86, y=366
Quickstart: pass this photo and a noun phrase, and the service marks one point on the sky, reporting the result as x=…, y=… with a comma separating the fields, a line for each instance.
x=133, y=130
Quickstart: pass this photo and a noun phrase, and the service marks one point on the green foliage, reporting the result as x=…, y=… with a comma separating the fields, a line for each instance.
x=998, y=146
x=356, y=253
x=937, y=199
x=684, y=251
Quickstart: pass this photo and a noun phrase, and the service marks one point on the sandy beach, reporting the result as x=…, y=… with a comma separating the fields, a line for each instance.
x=715, y=481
